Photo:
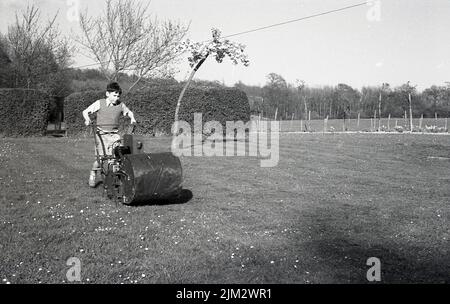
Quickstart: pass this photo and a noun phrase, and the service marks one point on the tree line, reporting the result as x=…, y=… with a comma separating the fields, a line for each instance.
x=299, y=101
x=126, y=43
x=130, y=47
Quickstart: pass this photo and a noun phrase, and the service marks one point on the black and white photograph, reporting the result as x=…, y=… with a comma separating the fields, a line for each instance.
x=208, y=143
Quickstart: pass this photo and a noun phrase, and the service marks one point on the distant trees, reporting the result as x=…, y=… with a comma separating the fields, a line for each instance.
x=347, y=98
x=343, y=101
x=275, y=94
x=93, y=79
x=126, y=40
x=385, y=88
x=5, y=64
x=254, y=95
x=436, y=100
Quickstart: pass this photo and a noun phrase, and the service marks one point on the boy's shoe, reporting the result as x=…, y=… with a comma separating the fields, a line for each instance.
x=92, y=179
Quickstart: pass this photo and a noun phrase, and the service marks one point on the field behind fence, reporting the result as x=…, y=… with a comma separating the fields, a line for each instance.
x=351, y=125
x=364, y=125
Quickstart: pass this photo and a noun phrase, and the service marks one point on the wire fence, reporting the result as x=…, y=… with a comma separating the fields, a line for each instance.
x=428, y=125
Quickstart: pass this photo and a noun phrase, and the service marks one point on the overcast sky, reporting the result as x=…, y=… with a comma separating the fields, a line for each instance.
x=390, y=41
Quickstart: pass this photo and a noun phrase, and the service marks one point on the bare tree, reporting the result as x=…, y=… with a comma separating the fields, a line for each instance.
x=37, y=49
x=126, y=39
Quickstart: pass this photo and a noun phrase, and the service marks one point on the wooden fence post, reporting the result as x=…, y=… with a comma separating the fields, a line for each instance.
x=411, y=127
x=389, y=122
x=379, y=120
x=359, y=115
x=259, y=121
x=375, y=120
x=307, y=122
x=421, y=121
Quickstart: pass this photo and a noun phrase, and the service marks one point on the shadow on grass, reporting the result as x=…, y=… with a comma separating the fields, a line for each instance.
x=344, y=256
x=347, y=260
x=182, y=198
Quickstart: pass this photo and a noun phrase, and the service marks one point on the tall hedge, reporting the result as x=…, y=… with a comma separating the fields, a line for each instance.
x=154, y=108
x=74, y=105
x=23, y=112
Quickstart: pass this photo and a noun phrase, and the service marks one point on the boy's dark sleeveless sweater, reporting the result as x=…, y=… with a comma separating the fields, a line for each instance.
x=108, y=117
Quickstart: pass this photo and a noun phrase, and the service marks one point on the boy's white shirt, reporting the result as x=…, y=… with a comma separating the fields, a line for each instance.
x=96, y=106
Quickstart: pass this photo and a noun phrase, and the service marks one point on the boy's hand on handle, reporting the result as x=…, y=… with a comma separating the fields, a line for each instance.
x=87, y=122
x=133, y=121
x=131, y=128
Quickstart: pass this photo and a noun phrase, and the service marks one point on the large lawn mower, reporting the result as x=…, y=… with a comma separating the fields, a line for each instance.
x=131, y=176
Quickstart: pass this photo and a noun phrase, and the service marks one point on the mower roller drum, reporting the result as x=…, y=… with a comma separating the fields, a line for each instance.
x=149, y=177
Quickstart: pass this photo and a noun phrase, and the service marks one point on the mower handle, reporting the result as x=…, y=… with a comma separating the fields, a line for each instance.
x=131, y=127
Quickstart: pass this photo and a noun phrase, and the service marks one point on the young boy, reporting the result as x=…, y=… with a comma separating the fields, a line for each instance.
x=108, y=113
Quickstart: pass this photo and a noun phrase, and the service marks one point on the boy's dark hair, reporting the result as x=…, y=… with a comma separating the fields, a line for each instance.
x=114, y=87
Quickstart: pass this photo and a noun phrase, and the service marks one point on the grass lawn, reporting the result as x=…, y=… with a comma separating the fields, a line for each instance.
x=332, y=202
